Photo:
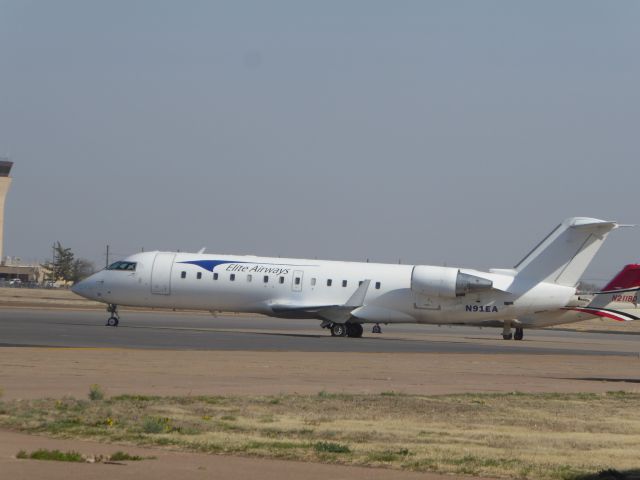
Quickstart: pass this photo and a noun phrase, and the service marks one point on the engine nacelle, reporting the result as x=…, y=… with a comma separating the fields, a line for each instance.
x=446, y=282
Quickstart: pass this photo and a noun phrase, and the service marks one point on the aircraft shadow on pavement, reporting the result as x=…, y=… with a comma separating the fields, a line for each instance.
x=195, y=329
x=602, y=379
x=462, y=340
x=611, y=474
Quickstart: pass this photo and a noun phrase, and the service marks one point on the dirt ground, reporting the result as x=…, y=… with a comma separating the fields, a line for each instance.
x=55, y=372
x=170, y=465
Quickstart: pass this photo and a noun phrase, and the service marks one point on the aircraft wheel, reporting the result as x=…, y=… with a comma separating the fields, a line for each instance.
x=519, y=334
x=507, y=336
x=112, y=322
x=338, y=330
x=354, y=330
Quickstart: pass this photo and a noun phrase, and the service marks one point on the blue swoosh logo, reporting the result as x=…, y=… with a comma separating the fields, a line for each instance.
x=209, y=265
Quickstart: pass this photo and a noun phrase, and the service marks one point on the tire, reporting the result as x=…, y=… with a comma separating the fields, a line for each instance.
x=339, y=330
x=507, y=336
x=112, y=322
x=354, y=330
x=519, y=335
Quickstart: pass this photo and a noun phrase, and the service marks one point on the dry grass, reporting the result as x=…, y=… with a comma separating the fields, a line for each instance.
x=546, y=436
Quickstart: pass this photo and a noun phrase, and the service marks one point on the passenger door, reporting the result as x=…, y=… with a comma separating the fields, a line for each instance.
x=161, y=273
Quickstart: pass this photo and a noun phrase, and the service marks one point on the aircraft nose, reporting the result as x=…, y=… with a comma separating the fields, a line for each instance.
x=85, y=288
x=79, y=287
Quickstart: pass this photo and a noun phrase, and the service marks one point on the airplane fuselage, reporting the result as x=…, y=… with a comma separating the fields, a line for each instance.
x=285, y=287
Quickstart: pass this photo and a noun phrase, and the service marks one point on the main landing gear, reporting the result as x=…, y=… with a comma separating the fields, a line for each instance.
x=519, y=335
x=507, y=335
x=353, y=330
x=114, y=319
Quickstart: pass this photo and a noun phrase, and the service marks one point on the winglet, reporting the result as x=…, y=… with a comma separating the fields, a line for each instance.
x=357, y=299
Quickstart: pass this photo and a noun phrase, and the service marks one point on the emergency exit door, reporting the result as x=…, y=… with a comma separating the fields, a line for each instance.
x=296, y=285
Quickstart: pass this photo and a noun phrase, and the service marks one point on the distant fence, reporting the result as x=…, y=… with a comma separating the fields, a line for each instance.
x=8, y=283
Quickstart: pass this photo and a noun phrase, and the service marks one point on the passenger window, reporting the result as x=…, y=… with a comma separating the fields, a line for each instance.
x=215, y=276
x=377, y=285
x=281, y=279
x=329, y=282
x=183, y=275
x=199, y=275
x=344, y=283
x=313, y=282
x=249, y=278
x=266, y=279
x=232, y=277
x=297, y=280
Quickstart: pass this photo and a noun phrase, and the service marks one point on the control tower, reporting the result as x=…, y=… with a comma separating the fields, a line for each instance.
x=5, y=183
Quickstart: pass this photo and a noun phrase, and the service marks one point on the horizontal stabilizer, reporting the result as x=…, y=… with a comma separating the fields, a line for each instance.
x=563, y=255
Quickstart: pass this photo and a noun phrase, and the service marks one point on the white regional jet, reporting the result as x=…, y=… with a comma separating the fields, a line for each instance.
x=345, y=295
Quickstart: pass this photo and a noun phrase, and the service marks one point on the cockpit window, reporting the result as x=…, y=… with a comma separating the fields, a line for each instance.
x=122, y=265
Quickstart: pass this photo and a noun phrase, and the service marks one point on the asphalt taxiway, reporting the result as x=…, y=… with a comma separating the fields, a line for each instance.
x=195, y=331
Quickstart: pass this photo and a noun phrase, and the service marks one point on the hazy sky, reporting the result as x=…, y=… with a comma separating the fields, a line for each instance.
x=455, y=132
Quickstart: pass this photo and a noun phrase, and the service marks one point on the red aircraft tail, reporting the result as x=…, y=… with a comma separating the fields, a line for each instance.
x=628, y=277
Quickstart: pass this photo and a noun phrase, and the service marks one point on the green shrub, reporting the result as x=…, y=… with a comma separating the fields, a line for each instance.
x=153, y=425
x=388, y=455
x=96, y=392
x=120, y=456
x=331, y=447
x=54, y=455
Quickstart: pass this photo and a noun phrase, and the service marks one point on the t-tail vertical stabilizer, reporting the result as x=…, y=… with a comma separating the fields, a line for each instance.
x=563, y=255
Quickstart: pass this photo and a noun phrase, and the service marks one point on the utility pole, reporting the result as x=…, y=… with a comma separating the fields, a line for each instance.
x=107, y=256
x=53, y=262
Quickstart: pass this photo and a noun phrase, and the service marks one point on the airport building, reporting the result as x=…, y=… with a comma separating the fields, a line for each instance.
x=12, y=269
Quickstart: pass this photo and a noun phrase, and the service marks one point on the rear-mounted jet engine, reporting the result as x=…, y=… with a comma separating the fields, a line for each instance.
x=446, y=282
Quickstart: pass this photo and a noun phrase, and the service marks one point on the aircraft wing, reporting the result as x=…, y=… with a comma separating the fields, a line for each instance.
x=330, y=313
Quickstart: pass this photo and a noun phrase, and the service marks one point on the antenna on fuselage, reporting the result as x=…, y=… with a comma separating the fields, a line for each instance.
x=202, y=250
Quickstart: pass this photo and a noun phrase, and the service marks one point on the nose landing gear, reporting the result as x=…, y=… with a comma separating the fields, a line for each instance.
x=114, y=319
